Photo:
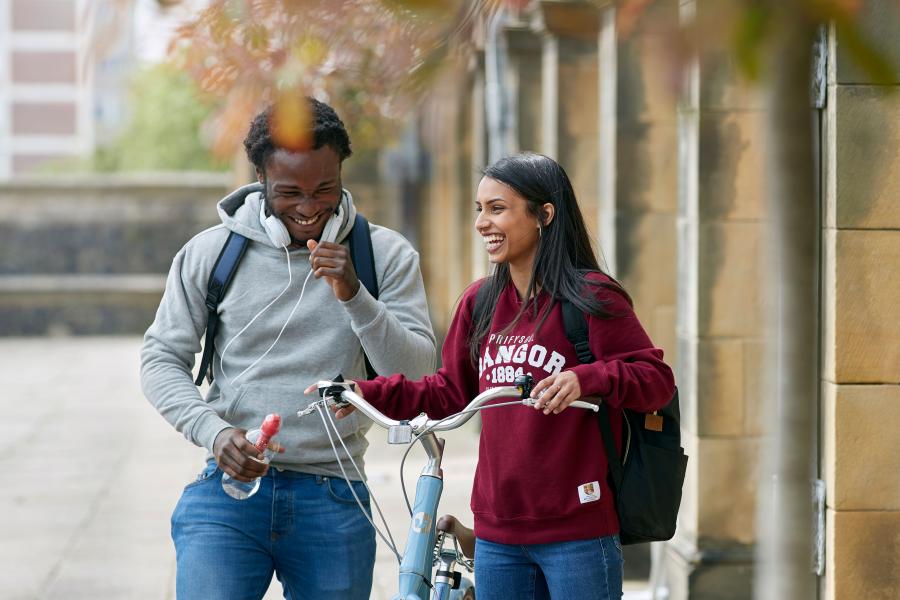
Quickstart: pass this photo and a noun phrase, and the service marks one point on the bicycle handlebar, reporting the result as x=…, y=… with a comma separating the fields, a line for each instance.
x=340, y=392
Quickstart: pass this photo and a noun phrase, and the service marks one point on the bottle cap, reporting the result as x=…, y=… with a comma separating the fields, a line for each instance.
x=271, y=425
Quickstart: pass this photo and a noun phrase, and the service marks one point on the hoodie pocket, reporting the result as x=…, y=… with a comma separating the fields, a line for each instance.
x=232, y=407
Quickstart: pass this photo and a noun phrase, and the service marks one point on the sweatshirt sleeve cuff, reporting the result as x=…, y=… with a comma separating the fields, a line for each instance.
x=371, y=391
x=593, y=379
x=362, y=308
x=207, y=427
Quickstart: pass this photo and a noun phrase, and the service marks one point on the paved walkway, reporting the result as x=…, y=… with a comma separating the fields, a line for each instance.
x=92, y=474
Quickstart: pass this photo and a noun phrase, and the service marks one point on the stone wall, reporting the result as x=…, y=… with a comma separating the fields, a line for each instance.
x=721, y=226
x=88, y=255
x=861, y=369
x=646, y=180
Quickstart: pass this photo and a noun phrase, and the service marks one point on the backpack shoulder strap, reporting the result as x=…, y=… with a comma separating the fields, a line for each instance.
x=576, y=330
x=576, y=327
x=363, y=258
x=362, y=255
x=222, y=273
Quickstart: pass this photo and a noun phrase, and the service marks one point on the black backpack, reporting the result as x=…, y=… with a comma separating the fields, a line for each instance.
x=230, y=257
x=647, y=480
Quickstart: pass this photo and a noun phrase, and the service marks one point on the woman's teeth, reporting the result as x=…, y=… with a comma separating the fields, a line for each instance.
x=492, y=242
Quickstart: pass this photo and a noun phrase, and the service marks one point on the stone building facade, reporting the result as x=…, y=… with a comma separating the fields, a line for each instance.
x=673, y=187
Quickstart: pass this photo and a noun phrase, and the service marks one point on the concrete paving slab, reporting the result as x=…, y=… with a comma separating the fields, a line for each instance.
x=93, y=473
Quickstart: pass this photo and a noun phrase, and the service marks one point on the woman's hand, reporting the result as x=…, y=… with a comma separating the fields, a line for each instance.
x=343, y=411
x=555, y=393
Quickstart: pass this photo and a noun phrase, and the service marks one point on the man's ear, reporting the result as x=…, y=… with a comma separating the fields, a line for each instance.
x=260, y=176
x=548, y=212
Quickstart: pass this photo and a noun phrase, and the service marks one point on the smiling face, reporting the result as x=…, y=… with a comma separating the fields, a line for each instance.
x=508, y=227
x=303, y=189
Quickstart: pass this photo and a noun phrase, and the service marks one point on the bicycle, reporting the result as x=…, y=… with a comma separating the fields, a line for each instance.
x=425, y=546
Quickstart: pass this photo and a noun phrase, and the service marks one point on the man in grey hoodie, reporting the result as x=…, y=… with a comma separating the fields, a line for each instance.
x=294, y=313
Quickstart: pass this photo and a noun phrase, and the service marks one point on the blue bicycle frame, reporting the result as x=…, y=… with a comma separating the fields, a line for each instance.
x=419, y=555
x=415, y=569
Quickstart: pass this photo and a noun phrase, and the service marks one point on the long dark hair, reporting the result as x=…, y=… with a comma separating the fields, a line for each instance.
x=565, y=253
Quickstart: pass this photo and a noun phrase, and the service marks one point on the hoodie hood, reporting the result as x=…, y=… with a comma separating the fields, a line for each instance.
x=239, y=212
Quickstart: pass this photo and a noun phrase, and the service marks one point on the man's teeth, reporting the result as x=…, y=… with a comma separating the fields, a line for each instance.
x=305, y=222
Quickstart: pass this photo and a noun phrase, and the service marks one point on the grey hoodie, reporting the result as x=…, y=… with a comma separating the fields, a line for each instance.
x=323, y=338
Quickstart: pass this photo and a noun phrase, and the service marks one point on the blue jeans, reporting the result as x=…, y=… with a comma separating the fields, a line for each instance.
x=563, y=570
x=307, y=529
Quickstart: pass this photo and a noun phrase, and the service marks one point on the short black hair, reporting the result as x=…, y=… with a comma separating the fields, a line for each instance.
x=327, y=129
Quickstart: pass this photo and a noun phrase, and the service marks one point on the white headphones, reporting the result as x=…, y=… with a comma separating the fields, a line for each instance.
x=278, y=233
x=280, y=238
x=275, y=229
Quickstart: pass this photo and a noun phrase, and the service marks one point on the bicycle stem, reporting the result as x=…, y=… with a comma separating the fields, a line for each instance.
x=434, y=449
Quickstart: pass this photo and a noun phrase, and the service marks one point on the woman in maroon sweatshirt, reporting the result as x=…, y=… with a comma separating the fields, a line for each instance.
x=545, y=521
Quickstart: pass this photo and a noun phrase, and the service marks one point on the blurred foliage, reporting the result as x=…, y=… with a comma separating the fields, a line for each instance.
x=370, y=59
x=165, y=131
x=747, y=27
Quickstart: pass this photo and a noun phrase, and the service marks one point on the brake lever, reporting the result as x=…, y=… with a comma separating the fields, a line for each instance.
x=525, y=383
x=330, y=394
x=334, y=388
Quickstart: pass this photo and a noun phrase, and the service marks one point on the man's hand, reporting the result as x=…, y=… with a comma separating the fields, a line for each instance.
x=341, y=412
x=237, y=456
x=332, y=261
x=555, y=393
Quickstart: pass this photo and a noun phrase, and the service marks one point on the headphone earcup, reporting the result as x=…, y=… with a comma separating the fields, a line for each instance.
x=275, y=229
x=277, y=232
x=332, y=227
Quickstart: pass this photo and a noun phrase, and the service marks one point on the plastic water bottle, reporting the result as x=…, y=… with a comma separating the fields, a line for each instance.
x=241, y=490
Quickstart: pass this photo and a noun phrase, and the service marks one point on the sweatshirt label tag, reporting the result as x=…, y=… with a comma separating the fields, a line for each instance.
x=589, y=492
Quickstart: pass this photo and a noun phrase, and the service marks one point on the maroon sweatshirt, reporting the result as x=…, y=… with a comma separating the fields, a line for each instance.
x=540, y=478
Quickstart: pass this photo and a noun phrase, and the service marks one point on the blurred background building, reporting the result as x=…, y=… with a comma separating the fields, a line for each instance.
x=47, y=82
x=672, y=184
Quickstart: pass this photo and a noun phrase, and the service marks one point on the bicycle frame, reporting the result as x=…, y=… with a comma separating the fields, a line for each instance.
x=418, y=555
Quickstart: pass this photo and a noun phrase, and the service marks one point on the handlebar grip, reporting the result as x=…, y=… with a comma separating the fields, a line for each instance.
x=587, y=405
x=333, y=389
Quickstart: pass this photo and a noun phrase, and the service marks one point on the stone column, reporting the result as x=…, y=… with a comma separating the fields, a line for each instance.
x=478, y=262
x=719, y=328
x=570, y=104
x=861, y=288
x=637, y=179
x=526, y=63
x=447, y=243
x=645, y=152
